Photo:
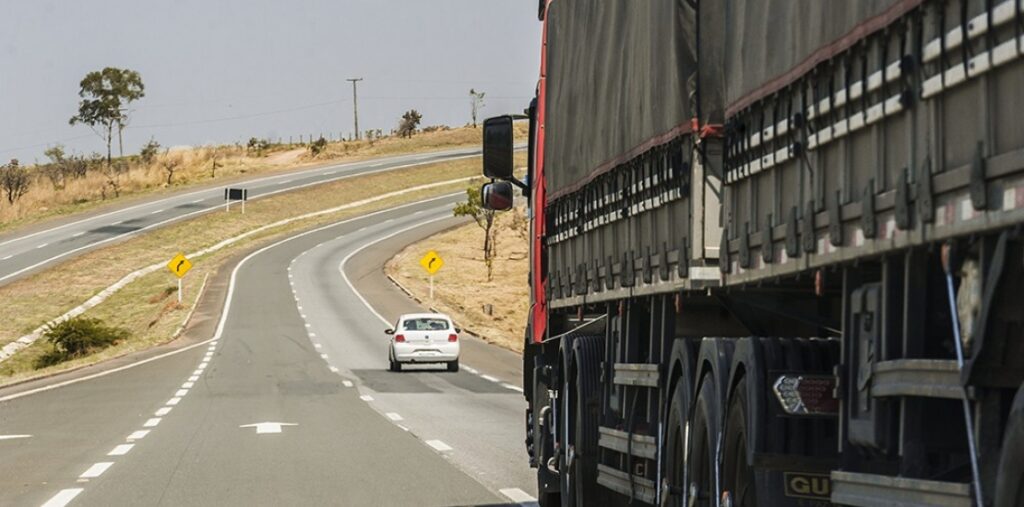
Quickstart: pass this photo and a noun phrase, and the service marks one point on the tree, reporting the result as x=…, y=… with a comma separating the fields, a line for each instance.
x=106, y=95
x=56, y=171
x=14, y=180
x=170, y=163
x=476, y=101
x=410, y=120
x=484, y=218
x=149, y=151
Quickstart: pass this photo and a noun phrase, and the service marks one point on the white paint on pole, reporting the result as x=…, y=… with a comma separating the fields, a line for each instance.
x=267, y=427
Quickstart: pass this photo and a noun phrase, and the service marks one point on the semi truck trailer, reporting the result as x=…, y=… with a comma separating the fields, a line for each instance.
x=775, y=252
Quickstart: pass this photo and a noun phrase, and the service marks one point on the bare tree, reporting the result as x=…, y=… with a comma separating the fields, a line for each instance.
x=56, y=170
x=113, y=173
x=14, y=180
x=171, y=163
x=476, y=101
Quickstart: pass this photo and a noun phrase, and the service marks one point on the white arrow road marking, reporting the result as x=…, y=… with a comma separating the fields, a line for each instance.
x=63, y=497
x=12, y=437
x=267, y=427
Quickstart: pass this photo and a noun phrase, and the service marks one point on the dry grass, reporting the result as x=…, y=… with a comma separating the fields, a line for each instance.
x=144, y=306
x=461, y=288
x=196, y=167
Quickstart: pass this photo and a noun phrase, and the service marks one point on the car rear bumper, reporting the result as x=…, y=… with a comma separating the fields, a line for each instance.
x=426, y=352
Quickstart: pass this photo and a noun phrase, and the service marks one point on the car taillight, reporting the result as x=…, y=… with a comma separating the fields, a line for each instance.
x=400, y=338
x=453, y=337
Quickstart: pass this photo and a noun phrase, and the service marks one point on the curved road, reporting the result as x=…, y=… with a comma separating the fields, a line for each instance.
x=25, y=252
x=288, y=403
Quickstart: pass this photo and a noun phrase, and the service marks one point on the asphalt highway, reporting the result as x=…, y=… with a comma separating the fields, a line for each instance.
x=27, y=251
x=284, y=400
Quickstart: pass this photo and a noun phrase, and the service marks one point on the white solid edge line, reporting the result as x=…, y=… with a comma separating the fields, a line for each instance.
x=227, y=304
x=96, y=470
x=439, y=445
x=455, y=154
x=512, y=387
x=488, y=377
x=341, y=266
x=63, y=497
x=366, y=397
x=517, y=495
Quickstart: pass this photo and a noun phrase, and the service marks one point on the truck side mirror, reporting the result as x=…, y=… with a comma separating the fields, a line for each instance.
x=498, y=146
x=496, y=195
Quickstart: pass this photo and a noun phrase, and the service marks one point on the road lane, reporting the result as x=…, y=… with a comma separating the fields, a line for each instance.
x=176, y=431
x=476, y=412
x=26, y=252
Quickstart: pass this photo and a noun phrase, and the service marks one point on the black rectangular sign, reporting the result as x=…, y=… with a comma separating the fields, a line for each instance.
x=236, y=194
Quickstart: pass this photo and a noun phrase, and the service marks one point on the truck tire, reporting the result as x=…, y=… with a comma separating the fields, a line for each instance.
x=737, y=473
x=702, y=489
x=579, y=461
x=1010, y=478
x=675, y=447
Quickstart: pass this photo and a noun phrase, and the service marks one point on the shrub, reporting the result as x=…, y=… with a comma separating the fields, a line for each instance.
x=317, y=147
x=149, y=151
x=77, y=337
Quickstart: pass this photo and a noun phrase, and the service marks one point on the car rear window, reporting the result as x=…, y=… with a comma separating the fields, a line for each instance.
x=425, y=324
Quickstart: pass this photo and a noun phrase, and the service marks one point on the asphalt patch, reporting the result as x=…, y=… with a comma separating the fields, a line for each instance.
x=414, y=381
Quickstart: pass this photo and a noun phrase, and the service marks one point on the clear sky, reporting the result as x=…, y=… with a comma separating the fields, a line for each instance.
x=221, y=71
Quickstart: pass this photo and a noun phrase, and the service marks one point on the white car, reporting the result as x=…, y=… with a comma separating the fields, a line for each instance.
x=424, y=338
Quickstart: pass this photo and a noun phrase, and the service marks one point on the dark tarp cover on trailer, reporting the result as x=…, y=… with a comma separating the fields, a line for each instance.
x=617, y=74
x=769, y=43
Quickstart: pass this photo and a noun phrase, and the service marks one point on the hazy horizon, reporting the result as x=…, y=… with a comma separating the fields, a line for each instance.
x=238, y=69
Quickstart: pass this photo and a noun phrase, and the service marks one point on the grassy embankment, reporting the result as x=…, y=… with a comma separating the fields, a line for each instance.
x=196, y=167
x=461, y=288
x=147, y=308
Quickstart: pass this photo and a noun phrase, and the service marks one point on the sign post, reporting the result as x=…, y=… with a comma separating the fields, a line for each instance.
x=235, y=194
x=179, y=265
x=432, y=263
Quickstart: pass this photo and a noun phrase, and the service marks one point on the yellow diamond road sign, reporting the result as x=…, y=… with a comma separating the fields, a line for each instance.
x=431, y=262
x=179, y=265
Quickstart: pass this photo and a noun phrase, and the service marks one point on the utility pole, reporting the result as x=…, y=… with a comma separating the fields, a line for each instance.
x=355, y=104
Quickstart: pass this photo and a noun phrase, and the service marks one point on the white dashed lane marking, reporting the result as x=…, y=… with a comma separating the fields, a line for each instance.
x=163, y=411
x=96, y=470
x=151, y=422
x=347, y=383
x=439, y=445
x=334, y=370
x=8, y=257
x=78, y=234
x=517, y=495
x=63, y=497
x=44, y=245
x=394, y=416
x=121, y=450
x=366, y=397
x=173, y=401
x=138, y=435
x=181, y=392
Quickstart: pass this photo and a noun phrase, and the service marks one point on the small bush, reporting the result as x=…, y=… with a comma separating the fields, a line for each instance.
x=77, y=337
x=317, y=147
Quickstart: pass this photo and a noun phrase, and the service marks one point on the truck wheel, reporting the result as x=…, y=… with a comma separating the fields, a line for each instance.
x=701, y=490
x=1010, y=478
x=579, y=483
x=675, y=448
x=737, y=475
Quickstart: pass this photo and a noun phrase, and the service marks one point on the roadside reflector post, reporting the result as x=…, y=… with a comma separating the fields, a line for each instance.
x=179, y=291
x=431, y=288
